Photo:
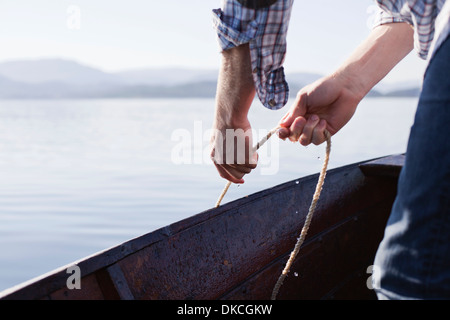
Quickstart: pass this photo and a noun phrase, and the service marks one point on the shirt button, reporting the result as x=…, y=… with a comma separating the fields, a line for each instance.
x=272, y=103
x=255, y=70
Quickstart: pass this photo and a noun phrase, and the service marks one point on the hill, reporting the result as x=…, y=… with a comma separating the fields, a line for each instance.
x=58, y=78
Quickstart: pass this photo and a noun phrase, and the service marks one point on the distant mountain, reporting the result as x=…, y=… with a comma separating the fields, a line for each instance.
x=58, y=78
x=54, y=70
x=302, y=79
x=399, y=89
x=166, y=76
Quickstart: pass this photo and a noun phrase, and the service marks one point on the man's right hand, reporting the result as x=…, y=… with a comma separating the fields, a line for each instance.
x=327, y=104
x=330, y=102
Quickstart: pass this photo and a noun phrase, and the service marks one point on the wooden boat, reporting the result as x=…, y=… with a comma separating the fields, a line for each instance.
x=238, y=250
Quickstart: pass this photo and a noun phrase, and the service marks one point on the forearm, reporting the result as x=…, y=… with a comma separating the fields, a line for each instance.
x=235, y=89
x=334, y=98
x=386, y=46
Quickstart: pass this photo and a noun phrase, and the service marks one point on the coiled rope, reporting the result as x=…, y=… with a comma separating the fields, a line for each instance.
x=309, y=216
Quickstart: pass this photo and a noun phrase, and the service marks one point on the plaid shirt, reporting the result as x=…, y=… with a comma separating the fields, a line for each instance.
x=265, y=30
x=422, y=15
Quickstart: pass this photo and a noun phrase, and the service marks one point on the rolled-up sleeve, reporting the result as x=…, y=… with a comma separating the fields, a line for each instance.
x=265, y=30
x=232, y=31
x=383, y=17
x=421, y=14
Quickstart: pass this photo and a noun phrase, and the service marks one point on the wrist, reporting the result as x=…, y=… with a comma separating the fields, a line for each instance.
x=230, y=118
x=375, y=57
x=353, y=83
x=235, y=89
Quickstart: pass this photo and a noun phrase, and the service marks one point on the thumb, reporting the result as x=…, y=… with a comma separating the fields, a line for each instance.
x=254, y=158
x=297, y=109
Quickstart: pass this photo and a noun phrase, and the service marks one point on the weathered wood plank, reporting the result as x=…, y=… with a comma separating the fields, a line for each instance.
x=205, y=261
x=330, y=265
x=90, y=289
x=386, y=166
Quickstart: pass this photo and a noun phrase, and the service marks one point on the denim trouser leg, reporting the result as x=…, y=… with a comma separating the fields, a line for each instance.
x=413, y=260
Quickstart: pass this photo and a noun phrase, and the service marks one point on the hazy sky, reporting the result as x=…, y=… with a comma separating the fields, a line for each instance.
x=117, y=35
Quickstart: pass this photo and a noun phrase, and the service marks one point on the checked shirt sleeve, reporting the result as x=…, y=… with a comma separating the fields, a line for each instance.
x=421, y=14
x=265, y=30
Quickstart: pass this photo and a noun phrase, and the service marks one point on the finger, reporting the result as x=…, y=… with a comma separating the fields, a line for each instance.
x=254, y=160
x=298, y=109
x=283, y=133
x=246, y=167
x=234, y=172
x=214, y=157
x=296, y=128
x=319, y=133
x=251, y=160
x=241, y=168
x=250, y=165
x=247, y=162
x=308, y=129
x=286, y=120
x=226, y=174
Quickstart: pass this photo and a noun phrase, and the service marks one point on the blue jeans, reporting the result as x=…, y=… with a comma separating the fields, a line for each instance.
x=413, y=259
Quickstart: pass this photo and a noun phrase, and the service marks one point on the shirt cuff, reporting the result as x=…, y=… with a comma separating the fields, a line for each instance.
x=265, y=30
x=232, y=32
x=384, y=17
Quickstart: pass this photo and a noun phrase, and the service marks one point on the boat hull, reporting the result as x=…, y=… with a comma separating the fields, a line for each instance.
x=237, y=251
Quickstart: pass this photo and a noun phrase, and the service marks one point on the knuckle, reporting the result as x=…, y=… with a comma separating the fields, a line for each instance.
x=299, y=122
x=301, y=95
x=222, y=175
x=317, y=142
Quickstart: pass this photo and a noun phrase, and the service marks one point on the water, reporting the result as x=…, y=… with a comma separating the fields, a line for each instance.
x=80, y=176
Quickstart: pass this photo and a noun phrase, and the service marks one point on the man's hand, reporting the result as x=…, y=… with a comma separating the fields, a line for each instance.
x=330, y=102
x=327, y=104
x=231, y=140
x=232, y=151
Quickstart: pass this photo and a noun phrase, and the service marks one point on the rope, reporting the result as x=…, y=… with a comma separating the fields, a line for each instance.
x=308, y=219
x=258, y=145
x=227, y=186
x=310, y=214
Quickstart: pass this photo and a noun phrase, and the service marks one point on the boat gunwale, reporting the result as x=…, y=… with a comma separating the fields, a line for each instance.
x=51, y=281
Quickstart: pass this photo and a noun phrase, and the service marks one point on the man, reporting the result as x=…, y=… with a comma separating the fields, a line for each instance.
x=414, y=257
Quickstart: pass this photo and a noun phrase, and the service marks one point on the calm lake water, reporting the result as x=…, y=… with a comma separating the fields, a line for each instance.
x=80, y=176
